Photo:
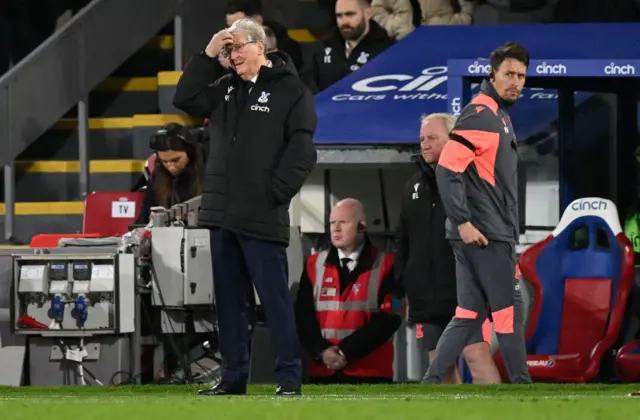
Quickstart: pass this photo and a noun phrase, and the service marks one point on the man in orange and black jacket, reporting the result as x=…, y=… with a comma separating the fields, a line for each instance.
x=477, y=175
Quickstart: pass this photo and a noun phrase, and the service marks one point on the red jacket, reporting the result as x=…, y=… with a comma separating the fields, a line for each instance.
x=341, y=312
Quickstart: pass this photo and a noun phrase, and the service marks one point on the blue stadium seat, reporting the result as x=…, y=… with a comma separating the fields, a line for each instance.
x=585, y=271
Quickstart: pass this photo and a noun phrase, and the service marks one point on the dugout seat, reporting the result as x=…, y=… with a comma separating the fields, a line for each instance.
x=110, y=213
x=50, y=240
x=627, y=366
x=584, y=271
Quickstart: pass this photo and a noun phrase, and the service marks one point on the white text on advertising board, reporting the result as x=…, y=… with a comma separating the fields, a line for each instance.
x=477, y=68
x=544, y=68
x=430, y=84
x=456, y=106
x=614, y=69
x=420, y=87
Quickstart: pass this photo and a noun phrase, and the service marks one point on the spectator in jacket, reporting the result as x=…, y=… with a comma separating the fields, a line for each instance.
x=261, y=120
x=238, y=9
x=425, y=263
x=343, y=306
x=357, y=40
x=518, y=12
x=396, y=16
x=178, y=176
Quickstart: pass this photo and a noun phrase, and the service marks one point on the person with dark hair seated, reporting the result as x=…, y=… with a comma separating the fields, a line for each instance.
x=178, y=171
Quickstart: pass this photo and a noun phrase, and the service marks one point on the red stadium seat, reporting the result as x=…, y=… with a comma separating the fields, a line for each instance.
x=50, y=240
x=110, y=213
x=585, y=271
x=628, y=362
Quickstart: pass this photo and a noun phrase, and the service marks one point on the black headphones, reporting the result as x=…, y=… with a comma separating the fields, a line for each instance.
x=172, y=136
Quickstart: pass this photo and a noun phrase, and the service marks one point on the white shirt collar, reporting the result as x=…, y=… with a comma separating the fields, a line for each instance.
x=354, y=256
x=254, y=78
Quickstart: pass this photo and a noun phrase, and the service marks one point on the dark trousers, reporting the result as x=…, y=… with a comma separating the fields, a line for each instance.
x=485, y=281
x=238, y=262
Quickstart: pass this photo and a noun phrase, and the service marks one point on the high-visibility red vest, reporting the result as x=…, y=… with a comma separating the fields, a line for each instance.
x=341, y=312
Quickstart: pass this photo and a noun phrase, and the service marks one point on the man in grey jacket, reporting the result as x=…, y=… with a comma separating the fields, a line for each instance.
x=477, y=177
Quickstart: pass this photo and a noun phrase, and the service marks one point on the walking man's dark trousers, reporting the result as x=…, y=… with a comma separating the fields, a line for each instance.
x=238, y=261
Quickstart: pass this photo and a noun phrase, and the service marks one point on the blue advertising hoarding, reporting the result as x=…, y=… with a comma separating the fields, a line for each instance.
x=381, y=103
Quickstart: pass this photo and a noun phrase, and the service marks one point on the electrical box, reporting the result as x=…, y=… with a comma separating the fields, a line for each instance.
x=182, y=270
x=74, y=293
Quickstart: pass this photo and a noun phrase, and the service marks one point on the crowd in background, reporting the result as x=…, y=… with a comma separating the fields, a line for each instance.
x=24, y=24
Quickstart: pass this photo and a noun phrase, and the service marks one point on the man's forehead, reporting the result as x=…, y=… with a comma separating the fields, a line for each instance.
x=347, y=6
x=435, y=125
x=239, y=38
x=513, y=65
x=342, y=213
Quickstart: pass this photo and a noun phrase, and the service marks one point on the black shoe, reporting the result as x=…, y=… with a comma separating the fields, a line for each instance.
x=224, y=388
x=288, y=388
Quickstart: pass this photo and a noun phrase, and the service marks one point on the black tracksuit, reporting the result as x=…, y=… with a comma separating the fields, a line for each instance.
x=329, y=62
x=261, y=154
x=424, y=260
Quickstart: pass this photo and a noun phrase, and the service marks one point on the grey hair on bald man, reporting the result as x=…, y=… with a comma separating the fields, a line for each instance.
x=448, y=119
x=249, y=27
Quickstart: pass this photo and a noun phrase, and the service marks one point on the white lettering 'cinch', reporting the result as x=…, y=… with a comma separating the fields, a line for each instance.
x=544, y=68
x=477, y=68
x=623, y=70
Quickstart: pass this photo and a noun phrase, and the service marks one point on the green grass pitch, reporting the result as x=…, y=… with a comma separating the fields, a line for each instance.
x=389, y=402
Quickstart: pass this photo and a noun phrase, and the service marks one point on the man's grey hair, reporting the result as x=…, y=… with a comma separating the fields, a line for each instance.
x=448, y=119
x=250, y=27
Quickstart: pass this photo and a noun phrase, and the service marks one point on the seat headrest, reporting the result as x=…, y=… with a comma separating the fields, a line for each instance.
x=591, y=206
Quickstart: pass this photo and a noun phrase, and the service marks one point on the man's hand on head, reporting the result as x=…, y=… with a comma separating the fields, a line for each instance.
x=218, y=43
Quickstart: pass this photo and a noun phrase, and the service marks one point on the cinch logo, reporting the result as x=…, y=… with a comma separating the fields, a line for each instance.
x=544, y=68
x=260, y=108
x=456, y=106
x=624, y=70
x=428, y=80
x=597, y=205
x=477, y=68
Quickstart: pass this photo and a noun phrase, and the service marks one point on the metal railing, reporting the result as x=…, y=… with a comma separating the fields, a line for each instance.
x=61, y=72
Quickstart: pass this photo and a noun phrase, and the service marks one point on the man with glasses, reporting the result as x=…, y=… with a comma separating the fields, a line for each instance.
x=276, y=32
x=261, y=121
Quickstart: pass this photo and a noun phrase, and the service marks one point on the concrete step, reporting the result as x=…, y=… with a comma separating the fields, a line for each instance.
x=45, y=217
x=154, y=57
x=109, y=138
x=60, y=180
x=122, y=97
